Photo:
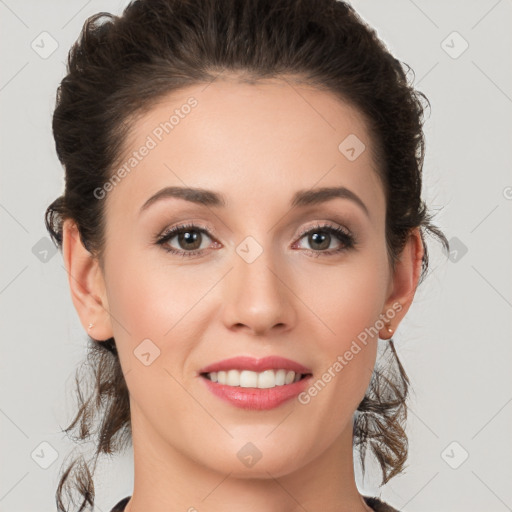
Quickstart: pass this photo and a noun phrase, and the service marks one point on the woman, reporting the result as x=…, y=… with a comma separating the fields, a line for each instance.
x=242, y=222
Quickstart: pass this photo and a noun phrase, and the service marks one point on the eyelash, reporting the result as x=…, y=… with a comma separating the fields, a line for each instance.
x=348, y=241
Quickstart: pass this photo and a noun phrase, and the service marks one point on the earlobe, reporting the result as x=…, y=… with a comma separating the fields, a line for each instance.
x=86, y=283
x=404, y=282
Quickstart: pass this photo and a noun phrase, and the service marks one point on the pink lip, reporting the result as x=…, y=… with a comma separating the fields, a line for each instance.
x=255, y=398
x=255, y=365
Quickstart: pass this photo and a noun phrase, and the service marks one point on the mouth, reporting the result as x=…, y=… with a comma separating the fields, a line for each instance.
x=250, y=379
x=257, y=384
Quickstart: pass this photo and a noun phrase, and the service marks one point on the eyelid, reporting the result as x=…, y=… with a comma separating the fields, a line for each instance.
x=323, y=225
x=197, y=225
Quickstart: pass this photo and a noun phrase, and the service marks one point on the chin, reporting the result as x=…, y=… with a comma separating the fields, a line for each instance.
x=250, y=462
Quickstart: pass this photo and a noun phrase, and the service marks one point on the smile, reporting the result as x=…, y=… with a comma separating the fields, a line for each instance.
x=249, y=379
x=256, y=384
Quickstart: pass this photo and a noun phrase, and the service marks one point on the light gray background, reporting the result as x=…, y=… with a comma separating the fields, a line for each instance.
x=455, y=343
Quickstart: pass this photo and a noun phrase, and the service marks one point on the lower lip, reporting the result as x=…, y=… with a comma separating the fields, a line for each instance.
x=255, y=398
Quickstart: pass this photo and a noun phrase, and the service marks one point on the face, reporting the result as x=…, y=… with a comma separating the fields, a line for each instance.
x=253, y=274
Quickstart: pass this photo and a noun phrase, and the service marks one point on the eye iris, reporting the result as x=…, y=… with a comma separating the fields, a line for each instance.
x=319, y=238
x=190, y=239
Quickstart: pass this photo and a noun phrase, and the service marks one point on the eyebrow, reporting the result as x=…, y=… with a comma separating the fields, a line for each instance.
x=209, y=198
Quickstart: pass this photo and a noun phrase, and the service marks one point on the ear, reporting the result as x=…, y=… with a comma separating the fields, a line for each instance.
x=403, y=283
x=86, y=283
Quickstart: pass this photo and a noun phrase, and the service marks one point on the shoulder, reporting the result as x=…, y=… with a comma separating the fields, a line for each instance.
x=378, y=505
x=121, y=505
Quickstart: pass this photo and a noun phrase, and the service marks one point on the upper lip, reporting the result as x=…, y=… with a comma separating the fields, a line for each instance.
x=255, y=365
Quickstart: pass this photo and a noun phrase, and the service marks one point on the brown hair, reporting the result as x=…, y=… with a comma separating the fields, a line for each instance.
x=121, y=65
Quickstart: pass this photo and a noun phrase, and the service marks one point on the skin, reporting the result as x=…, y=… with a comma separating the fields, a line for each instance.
x=257, y=144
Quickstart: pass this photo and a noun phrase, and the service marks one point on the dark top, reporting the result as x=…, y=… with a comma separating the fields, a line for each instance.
x=374, y=503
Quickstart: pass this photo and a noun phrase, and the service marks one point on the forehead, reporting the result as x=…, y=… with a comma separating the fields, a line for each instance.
x=270, y=138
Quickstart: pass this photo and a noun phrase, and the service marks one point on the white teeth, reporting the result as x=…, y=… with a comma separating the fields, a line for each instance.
x=267, y=379
x=280, y=377
x=249, y=379
x=233, y=378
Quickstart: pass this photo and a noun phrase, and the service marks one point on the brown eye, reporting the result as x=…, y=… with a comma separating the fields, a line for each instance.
x=189, y=239
x=320, y=238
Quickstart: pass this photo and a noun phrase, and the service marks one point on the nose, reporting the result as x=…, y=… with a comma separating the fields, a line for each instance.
x=258, y=297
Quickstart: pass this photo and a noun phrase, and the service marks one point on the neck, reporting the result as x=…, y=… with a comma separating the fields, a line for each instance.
x=167, y=479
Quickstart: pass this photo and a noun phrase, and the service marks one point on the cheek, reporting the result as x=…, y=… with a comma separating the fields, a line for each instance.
x=147, y=299
x=348, y=300
x=149, y=302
